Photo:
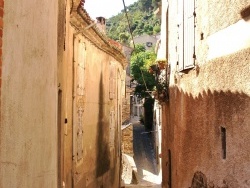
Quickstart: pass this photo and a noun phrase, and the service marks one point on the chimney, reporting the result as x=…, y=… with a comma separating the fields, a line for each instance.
x=101, y=24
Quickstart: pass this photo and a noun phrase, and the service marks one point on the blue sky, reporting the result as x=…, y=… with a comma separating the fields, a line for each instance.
x=105, y=8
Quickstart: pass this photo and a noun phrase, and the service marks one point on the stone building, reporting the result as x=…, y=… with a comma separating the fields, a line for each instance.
x=61, y=98
x=97, y=78
x=126, y=110
x=149, y=41
x=206, y=119
x=127, y=139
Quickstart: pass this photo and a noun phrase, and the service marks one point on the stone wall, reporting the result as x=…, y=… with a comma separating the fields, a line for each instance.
x=126, y=108
x=127, y=139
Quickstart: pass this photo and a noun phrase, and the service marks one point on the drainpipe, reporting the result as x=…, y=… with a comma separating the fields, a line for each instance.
x=162, y=50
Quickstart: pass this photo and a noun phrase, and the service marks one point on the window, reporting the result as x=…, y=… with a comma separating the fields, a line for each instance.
x=78, y=96
x=186, y=34
x=223, y=142
x=149, y=44
x=112, y=80
x=112, y=130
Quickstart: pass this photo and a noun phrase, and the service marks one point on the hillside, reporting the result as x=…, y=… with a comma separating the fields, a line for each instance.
x=142, y=21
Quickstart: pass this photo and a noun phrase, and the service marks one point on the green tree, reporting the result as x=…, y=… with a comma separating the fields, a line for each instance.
x=157, y=29
x=141, y=18
x=140, y=62
x=145, y=5
x=148, y=29
x=155, y=3
x=123, y=37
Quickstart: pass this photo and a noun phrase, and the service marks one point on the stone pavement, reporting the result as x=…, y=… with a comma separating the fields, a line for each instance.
x=144, y=161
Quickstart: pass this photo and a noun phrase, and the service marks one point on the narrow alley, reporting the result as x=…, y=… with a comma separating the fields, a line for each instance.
x=146, y=173
x=144, y=158
x=70, y=83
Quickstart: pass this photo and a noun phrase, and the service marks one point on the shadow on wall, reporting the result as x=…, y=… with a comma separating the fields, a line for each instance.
x=208, y=107
x=197, y=121
x=103, y=154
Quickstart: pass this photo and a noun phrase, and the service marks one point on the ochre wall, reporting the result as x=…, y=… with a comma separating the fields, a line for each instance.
x=1, y=42
x=28, y=136
x=214, y=94
x=100, y=165
x=39, y=112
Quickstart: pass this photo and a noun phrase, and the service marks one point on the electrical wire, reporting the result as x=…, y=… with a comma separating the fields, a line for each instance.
x=125, y=9
x=126, y=13
x=144, y=80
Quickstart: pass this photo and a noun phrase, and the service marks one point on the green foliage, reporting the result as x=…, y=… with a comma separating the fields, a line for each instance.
x=142, y=21
x=123, y=37
x=139, y=48
x=140, y=62
x=141, y=18
x=155, y=3
x=157, y=29
x=145, y=5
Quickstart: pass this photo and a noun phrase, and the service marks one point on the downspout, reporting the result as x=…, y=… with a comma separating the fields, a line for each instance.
x=162, y=53
x=73, y=98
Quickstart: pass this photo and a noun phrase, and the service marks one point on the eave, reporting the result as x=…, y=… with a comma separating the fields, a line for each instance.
x=80, y=20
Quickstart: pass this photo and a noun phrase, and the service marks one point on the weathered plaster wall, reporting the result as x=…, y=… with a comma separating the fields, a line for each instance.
x=126, y=106
x=215, y=94
x=67, y=105
x=196, y=122
x=101, y=118
x=101, y=160
x=1, y=43
x=28, y=136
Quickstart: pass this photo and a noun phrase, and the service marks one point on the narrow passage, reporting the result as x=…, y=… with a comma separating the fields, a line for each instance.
x=144, y=158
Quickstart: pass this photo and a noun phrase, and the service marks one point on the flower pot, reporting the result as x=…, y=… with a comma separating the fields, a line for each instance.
x=162, y=65
x=150, y=70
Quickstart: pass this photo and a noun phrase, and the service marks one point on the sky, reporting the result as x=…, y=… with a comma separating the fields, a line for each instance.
x=105, y=8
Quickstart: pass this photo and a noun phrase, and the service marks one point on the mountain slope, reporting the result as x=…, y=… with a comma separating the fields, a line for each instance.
x=142, y=21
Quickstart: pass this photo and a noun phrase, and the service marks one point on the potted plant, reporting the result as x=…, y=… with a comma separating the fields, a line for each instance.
x=162, y=87
x=150, y=70
x=161, y=63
